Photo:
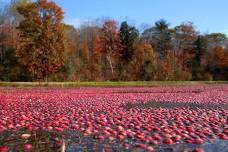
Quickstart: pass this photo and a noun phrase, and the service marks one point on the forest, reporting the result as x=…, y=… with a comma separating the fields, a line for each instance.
x=36, y=45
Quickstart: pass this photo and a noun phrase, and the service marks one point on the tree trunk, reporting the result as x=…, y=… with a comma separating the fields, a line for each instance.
x=110, y=63
x=46, y=78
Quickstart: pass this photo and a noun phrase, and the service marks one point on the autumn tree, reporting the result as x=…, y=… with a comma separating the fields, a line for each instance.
x=66, y=72
x=111, y=46
x=184, y=40
x=10, y=68
x=142, y=65
x=221, y=56
x=8, y=62
x=89, y=34
x=170, y=69
x=83, y=53
x=221, y=68
x=13, y=14
x=98, y=50
x=41, y=38
x=215, y=40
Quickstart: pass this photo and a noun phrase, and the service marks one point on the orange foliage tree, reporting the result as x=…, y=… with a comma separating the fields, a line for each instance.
x=110, y=45
x=221, y=56
x=41, y=38
x=142, y=63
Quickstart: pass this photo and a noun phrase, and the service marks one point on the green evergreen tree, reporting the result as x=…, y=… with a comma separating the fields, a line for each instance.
x=159, y=36
x=199, y=51
x=128, y=36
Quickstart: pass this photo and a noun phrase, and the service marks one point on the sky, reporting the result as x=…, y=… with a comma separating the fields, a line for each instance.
x=208, y=16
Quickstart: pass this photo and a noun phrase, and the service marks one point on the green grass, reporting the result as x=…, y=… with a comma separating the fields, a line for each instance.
x=106, y=83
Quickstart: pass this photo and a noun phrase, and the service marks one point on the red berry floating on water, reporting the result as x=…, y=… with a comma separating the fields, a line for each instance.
x=168, y=141
x=199, y=141
x=3, y=149
x=27, y=147
x=120, y=137
x=198, y=150
x=223, y=136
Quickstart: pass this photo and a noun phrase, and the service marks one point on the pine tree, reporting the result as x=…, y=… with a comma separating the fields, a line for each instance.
x=128, y=37
x=199, y=51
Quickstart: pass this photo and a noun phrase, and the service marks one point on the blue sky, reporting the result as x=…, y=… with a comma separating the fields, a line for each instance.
x=207, y=15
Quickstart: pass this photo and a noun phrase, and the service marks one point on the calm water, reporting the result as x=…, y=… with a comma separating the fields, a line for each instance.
x=73, y=141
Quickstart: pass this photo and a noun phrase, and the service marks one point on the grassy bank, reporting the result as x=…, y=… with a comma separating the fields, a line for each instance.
x=106, y=83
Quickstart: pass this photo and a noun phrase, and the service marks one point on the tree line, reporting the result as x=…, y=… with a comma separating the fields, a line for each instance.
x=35, y=45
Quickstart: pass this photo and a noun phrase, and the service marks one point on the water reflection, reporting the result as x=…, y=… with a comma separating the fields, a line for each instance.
x=72, y=141
x=33, y=141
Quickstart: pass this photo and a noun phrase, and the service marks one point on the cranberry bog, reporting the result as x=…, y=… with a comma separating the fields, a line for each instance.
x=163, y=118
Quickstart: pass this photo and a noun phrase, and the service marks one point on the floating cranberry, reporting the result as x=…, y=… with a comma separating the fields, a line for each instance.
x=27, y=147
x=199, y=141
x=120, y=128
x=3, y=149
x=168, y=141
x=59, y=129
x=100, y=113
x=126, y=146
x=99, y=137
x=142, y=146
x=223, y=136
x=120, y=137
x=74, y=126
x=198, y=150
